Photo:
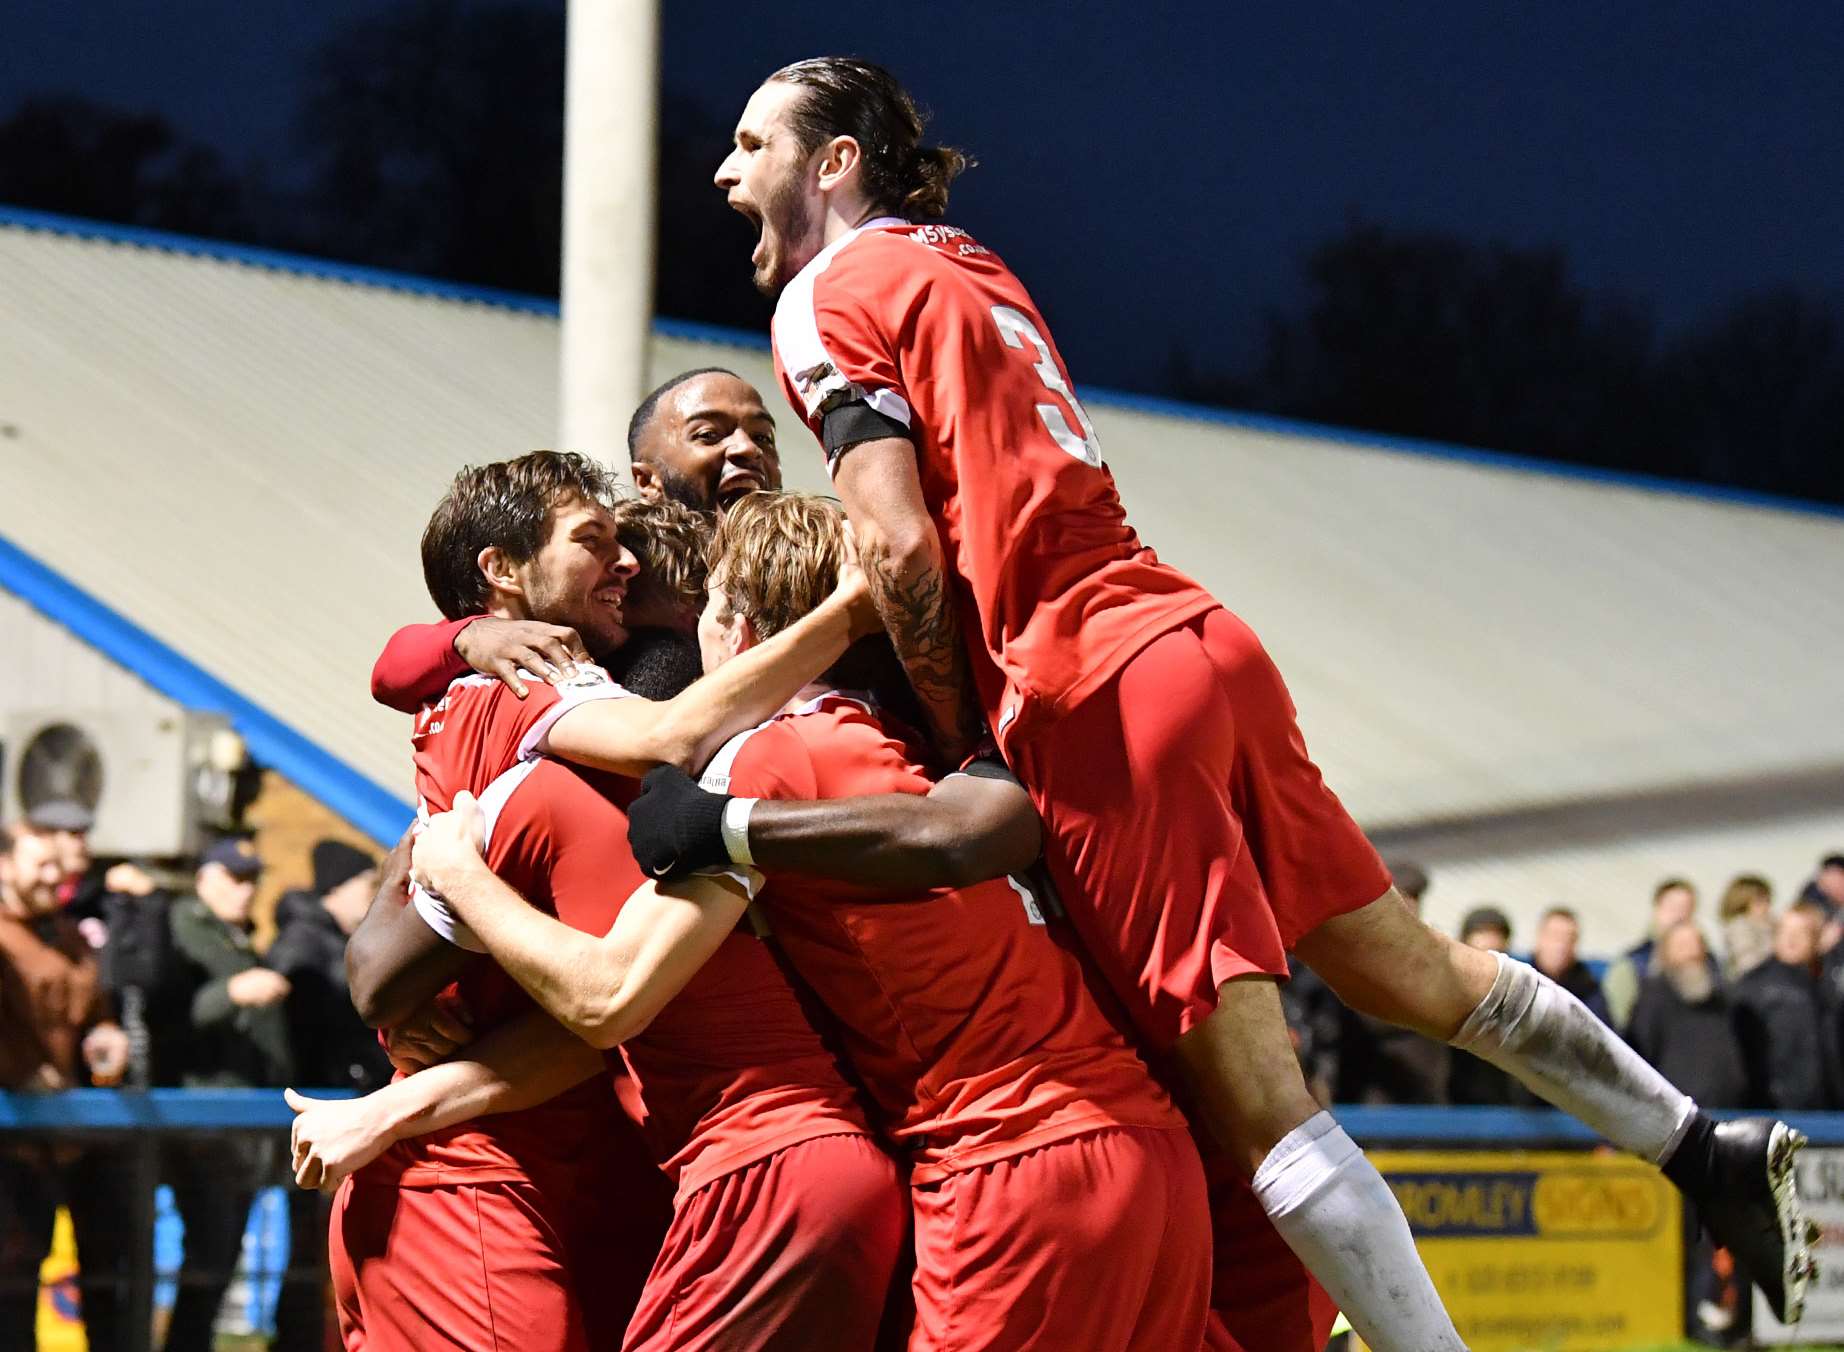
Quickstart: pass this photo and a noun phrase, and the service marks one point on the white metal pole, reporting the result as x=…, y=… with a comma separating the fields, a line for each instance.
x=611, y=108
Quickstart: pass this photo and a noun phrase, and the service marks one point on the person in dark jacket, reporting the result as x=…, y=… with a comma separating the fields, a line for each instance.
x=1781, y=1017
x=236, y=1036
x=1826, y=887
x=1469, y=1079
x=1555, y=955
x=1685, y=1025
x=1349, y=1057
x=332, y=1048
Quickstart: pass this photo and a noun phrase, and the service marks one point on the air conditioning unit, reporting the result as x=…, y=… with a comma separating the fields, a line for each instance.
x=155, y=781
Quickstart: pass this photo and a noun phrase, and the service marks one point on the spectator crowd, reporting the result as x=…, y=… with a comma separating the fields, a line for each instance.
x=108, y=979
x=1751, y=1018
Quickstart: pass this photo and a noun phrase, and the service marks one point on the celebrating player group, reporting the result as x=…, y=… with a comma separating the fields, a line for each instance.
x=859, y=925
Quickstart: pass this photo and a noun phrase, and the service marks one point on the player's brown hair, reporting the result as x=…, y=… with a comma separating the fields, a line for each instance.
x=673, y=544
x=776, y=556
x=1743, y=893
x=508, y=503
x=848, y=97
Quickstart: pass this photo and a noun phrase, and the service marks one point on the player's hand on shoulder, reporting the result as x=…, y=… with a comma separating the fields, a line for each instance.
x=448, y=846
x=333, y=1137
x=674, y=827
x=513, y=649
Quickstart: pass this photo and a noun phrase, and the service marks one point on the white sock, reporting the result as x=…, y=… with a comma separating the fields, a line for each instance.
x=1335, y=1211
x=1531, y=1028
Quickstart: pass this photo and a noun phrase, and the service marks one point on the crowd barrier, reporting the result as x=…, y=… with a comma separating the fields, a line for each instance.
x=1534, y=1236
x=137, y=1123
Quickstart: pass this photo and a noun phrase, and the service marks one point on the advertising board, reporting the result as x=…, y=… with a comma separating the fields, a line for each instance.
x=1563, y=1251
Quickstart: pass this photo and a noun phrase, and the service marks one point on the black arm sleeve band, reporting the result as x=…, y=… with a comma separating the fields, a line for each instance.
x=846, y=425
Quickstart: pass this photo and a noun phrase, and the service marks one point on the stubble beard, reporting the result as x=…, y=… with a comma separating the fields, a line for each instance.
x=792, y=217
x=1693, y=985
x=601, y=635
x=685, y=490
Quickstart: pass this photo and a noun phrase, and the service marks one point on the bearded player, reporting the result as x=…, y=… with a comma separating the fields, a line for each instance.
x=1193, y=837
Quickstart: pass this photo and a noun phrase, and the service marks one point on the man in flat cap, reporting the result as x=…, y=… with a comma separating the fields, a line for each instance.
x=235, y=1036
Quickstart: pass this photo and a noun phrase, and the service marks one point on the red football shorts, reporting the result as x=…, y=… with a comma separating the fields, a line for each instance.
x=791, y=1253
x=1192, y=837
x=1099, y=1242
x=474, y=1266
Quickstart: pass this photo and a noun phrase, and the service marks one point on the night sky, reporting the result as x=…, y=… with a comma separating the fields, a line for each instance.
x=1155, y=172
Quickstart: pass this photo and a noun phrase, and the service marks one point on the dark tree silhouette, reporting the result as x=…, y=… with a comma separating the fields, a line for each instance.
x=436, y=135
x=1757, y=398
x=72, y=155
x=1482, y=345
x=1432, y=336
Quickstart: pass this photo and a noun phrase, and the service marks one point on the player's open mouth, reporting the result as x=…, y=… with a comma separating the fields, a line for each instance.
x=754, y=217
x=612, y=597
x=734, y=486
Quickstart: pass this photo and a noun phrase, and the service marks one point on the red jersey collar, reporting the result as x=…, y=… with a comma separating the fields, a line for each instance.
x=825, y=255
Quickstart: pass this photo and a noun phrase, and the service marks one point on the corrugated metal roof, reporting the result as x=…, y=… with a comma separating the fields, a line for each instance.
x=240, y=459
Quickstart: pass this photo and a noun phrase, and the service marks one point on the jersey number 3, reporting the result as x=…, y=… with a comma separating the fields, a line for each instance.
x=1017, y=330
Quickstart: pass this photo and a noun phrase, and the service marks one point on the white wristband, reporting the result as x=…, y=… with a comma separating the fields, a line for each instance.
x=735, y=828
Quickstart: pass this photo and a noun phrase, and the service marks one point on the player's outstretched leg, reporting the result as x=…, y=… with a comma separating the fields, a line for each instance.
x=1327, y=1200
x=1384, y=961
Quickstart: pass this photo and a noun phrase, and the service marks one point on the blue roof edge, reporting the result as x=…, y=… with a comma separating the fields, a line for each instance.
x=310, y=767
x=26, y=218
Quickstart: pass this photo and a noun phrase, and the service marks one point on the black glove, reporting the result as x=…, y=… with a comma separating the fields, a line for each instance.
x=675, y=827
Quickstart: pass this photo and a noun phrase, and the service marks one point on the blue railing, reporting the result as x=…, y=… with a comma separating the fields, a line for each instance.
x=110, y=1111
x=115, y=1110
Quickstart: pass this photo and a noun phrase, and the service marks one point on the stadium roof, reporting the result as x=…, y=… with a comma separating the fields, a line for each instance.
x=232, y=453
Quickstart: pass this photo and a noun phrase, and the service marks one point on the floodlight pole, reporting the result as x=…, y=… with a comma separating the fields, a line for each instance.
x=611, y=110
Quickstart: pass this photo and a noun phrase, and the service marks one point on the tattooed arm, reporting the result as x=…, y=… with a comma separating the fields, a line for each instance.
x=903, y=560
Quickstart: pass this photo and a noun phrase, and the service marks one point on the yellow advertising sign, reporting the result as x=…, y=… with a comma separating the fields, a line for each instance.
x=1557, y=1251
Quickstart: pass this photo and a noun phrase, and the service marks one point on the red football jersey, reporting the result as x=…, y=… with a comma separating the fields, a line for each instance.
x=932, y=331
x=466, y=740
x=731, y=1070
x=960, y=1009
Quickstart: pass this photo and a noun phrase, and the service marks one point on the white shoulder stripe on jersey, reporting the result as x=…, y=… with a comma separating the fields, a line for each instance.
x=434, y=911
x=716, y=776
x=803, y=353
x=591, y=684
